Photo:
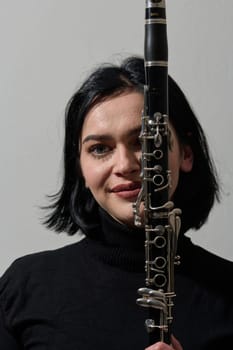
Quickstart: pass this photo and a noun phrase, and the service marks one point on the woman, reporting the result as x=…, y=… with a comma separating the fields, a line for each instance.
x=83, y=296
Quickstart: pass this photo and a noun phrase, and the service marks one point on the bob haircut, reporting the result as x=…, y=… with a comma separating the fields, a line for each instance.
x=73, y=206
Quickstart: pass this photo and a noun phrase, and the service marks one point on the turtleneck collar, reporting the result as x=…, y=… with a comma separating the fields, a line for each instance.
x=120, y=245
x=117, y=244
x=119, y=234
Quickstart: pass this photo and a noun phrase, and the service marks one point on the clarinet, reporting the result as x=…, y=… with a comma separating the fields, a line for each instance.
x=160, y=219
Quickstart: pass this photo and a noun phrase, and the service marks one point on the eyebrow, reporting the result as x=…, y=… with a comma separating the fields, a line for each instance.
x=97, y=138
x=109, y=137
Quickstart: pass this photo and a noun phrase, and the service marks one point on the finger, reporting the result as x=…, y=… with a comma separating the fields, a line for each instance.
x=175, y=343
x=160, y=346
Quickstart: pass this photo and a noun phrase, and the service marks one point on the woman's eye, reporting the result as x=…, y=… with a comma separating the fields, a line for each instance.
x=99, y=150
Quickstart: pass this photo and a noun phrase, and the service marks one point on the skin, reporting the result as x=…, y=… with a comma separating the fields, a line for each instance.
x=110, y=154
x=175, y=345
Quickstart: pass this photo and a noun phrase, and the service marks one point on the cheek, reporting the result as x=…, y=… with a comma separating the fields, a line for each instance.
x=94, y=174
x=85, y=166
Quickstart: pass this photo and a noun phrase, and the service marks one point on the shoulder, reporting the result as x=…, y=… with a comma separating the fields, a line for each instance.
x=33, y=283
x=205, y=267
x=206, y=259
x=41, y=267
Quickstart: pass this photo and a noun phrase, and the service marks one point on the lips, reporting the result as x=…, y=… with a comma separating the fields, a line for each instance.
x=127, y=191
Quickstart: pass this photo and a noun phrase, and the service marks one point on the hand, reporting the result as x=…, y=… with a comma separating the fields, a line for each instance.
x=175, y=345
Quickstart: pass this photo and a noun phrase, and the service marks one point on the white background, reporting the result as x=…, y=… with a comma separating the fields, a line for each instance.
x=48, y=47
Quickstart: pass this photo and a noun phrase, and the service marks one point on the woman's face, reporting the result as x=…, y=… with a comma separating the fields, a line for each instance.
x=110, y=153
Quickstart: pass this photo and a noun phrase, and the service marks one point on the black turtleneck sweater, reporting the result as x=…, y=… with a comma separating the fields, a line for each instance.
x=82, y=296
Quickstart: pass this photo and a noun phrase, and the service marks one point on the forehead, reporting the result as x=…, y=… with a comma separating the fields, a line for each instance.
x=114, y=113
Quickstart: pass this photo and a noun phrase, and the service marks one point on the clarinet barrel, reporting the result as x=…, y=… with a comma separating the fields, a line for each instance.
x=161, y=220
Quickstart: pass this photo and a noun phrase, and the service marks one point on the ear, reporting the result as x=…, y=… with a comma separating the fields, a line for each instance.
x=187, y=159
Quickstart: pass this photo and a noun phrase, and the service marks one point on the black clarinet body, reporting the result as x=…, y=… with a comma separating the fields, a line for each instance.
x=156, y=58
x=160, y=219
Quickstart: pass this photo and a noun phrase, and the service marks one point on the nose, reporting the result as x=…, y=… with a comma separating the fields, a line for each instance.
x=126, y=161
